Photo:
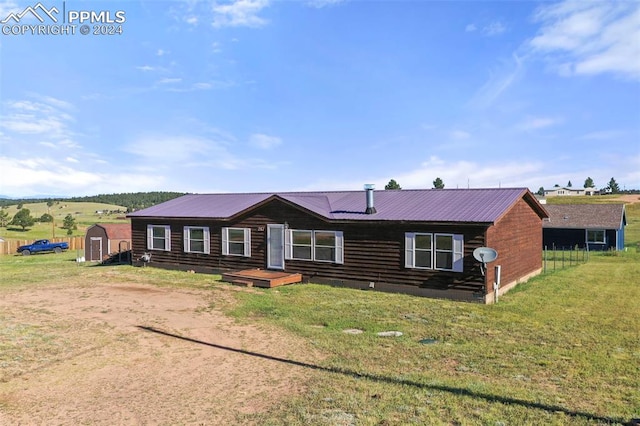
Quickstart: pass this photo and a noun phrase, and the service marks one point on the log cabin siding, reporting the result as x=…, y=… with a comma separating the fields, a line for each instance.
x=373, y=252
x=517, y=237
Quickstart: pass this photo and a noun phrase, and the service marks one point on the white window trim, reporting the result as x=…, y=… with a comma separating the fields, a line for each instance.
x=187, y=239
x=247, y=242
x=167, y=237
x=412, y=245
x=457, y=251
x=339, y=246
x=292, y=245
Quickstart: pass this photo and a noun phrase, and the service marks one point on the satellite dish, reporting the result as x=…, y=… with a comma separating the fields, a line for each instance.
x=484, y=255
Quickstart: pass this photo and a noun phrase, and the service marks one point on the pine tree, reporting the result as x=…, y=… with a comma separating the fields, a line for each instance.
x=392, y=185
x=438, y=183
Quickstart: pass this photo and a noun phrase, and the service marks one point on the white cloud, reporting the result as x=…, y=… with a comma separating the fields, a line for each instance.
x=590, y=37
x=22, y=177
x=168, y=150
x=146, y=68
x=499, y=81
x=470, y=28
x=603, y=135
x=162, y=52
x=7, y=7
x=263, y=141
x=27, y=117
x=535, y=123
x=319, y=4
x=455, y=174
x=459, y=135
x=170, y=80
x=41, y=175
x=239, y=13
x=202, y=86
x=494, y=28
x=55, y=102
x=463, y=173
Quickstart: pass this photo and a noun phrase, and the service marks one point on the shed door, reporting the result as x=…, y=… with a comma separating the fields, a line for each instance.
x=95, y=251
x=275, y=246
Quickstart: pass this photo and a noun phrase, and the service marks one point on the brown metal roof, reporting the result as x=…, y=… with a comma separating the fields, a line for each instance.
x=117, y=231
x=585, y=216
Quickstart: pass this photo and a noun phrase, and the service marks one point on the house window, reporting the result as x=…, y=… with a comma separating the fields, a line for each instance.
x=595, y=236
x=444, y=251
x=319, y=246
x=301, y=245
x=159, y=237
x=434, y=251
x=423, y=252
x=236, y=242
x=325, y=246
x=196, y=239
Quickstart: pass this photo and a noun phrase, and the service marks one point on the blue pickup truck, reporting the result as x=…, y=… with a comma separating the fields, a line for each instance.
x=42, y=246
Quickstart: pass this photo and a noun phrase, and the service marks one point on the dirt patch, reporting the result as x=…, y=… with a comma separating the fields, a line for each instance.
x=113, y=354
x=630, y=198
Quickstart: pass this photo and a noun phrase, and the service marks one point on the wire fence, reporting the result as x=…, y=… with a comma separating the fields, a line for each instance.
x=556, y=258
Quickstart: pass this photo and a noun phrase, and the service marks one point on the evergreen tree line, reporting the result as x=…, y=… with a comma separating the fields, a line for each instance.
x=131, y=201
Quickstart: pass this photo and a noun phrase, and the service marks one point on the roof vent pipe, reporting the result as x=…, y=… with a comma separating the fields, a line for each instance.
x=369, y=190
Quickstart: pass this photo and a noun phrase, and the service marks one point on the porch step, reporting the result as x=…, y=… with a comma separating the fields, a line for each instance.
x=242, y=283
x=261, y=278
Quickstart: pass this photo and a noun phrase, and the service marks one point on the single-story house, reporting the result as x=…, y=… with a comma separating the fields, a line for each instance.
x=104, y=239
x=569, y=191
x=412, y=241
x=591, y=226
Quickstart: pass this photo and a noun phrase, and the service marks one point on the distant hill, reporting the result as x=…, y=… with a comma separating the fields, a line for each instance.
x=132, y=201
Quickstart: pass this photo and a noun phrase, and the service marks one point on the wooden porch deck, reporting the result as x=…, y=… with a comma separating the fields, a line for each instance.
x=261, y=278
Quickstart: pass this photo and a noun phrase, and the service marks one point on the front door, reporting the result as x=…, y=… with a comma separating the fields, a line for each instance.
x=95, y=251
x=275, y=246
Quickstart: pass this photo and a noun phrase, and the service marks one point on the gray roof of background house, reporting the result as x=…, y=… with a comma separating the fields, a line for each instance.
x=432, y=205
x=585, y=216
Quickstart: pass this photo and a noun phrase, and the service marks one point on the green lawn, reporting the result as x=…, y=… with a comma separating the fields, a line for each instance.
x=561, y=349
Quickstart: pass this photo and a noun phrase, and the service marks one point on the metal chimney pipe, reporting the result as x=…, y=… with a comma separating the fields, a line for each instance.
x=369, y=191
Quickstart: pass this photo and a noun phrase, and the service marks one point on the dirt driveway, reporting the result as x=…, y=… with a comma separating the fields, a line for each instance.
x=108, y=354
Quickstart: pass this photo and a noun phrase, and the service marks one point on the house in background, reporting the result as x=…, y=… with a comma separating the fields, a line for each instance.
x=412, y=241
x=104, y=239
x=564, y=191
x=592, y=226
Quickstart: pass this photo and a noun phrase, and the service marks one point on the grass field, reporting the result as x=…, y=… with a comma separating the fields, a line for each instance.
x=85, y=215
x=561, y=349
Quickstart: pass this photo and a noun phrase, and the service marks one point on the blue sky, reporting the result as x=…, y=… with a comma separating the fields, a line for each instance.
x=258, y=95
